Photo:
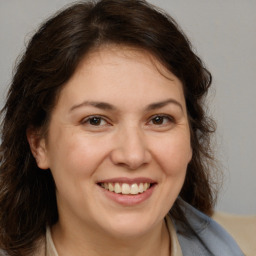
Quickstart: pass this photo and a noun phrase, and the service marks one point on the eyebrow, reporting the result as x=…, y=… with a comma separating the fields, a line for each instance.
x=97, y=104
x=162, y=104
x=107, y=106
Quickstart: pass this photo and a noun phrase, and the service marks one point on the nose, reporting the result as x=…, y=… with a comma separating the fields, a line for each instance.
x=130, y=149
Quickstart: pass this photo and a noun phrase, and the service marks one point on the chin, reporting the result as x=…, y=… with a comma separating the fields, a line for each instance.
x=130, y=225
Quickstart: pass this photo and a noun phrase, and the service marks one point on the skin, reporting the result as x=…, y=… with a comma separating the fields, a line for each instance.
x=126, y=142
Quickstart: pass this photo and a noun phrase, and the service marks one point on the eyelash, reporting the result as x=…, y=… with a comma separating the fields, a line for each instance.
x=169, y=119
x=88, y=119
x=163, y=118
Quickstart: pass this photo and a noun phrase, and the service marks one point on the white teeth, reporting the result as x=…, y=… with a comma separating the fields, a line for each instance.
x=126, y=189
x=145, y=186
x=134, y=189
x=110, y=187
x=117, y=188
x=141, y=188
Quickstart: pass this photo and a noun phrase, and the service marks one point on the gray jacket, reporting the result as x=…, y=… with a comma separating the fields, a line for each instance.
x=202, y=236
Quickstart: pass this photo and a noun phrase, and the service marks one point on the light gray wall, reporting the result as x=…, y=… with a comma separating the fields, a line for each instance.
x=224, y=35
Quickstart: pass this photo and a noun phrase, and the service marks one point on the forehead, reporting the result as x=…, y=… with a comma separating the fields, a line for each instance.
x=121, y=72
x=112, y=55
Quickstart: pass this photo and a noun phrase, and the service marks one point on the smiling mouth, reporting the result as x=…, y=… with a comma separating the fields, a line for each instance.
x=126, y=189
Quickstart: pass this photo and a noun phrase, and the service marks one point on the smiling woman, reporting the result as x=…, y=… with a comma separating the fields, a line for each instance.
x=105, y=145
x=97, y=154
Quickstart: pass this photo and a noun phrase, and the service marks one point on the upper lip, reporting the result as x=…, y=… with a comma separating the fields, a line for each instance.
x=128, y=180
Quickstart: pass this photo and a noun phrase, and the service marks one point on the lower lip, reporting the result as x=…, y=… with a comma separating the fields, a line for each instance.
x=129, y=200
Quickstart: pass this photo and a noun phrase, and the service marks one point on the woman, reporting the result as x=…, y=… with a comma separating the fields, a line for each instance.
x=105, y=140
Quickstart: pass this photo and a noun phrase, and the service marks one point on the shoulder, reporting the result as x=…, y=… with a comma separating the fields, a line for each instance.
x=242, y=229
x=201, y=235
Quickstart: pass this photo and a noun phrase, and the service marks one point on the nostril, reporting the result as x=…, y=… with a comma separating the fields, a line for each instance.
x=128, y=159
x=130, y=150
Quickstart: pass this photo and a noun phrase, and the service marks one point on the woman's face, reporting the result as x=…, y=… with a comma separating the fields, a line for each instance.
x=118, y=143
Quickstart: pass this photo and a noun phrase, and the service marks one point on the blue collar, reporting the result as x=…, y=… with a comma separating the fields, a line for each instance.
x=202, y=236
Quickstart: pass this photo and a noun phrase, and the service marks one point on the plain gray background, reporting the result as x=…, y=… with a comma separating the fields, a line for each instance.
x=223, y=34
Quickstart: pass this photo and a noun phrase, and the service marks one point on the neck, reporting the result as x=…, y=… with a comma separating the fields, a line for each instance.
x=93, y=243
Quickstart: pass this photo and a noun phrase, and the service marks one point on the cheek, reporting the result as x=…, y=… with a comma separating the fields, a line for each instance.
x=76, y=155
x=174, y=154
x=73, y=163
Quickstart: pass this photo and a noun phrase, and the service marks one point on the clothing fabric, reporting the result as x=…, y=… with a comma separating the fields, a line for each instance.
x=49, y=245
x=199, y=236
x=202, y=236
x=242, y=228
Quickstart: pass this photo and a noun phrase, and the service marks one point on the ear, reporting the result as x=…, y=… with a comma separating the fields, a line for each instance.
x=38, y=148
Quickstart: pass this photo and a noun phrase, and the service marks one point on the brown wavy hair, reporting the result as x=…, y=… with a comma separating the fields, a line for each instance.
x=27, y=194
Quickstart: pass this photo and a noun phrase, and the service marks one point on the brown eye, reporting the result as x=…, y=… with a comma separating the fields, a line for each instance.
x=161, y=120
x=95, y=120
x=158, y=120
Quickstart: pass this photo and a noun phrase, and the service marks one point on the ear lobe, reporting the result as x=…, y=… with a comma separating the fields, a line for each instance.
x=38, y=148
